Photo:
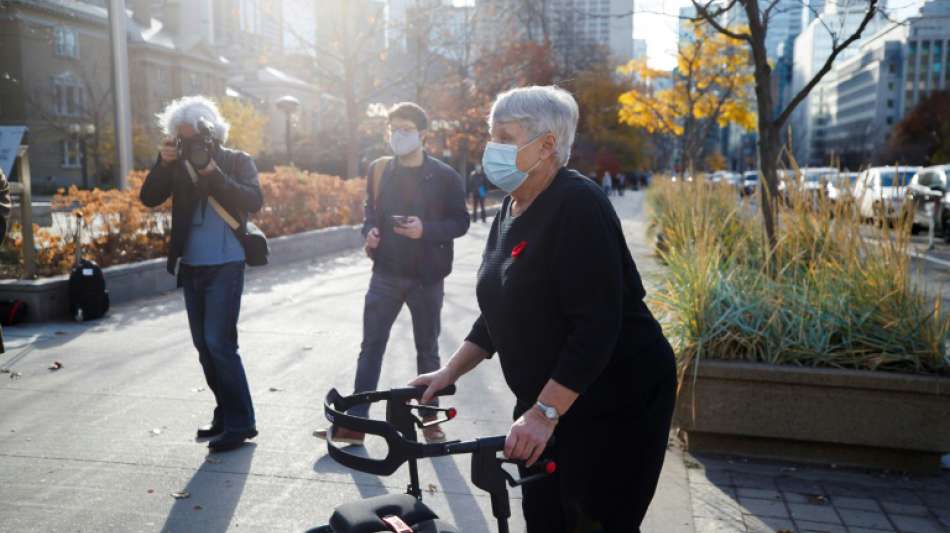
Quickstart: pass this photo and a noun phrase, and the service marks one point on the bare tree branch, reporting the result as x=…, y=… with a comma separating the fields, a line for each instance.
x=829, y=62
x=703, y=12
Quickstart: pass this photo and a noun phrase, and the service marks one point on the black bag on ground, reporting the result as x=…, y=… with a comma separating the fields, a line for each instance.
x=12, y=312
x=88, y=297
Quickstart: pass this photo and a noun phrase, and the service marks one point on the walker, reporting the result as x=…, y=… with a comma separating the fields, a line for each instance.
x=405, y=513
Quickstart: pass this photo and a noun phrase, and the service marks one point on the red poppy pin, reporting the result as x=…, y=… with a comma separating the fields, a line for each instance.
x=516, y=251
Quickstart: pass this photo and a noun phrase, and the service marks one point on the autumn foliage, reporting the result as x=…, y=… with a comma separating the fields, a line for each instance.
x=118, y=229
x=712, y=85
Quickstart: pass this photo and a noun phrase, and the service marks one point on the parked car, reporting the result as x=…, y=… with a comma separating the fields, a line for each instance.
x=750, y=182
x=880, y=192
x=841, y=186
x=928, y=192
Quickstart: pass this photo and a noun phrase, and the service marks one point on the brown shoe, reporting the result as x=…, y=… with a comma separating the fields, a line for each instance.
x=433, y=434
x=341, y=435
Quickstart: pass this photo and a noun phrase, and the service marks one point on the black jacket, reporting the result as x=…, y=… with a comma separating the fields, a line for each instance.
x=444, y=216
x=235, y=187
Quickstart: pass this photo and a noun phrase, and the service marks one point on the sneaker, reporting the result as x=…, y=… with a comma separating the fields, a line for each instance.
x=341, y=435
x=433, y=434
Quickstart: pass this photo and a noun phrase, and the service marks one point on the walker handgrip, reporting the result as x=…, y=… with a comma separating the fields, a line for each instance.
x=416, y=392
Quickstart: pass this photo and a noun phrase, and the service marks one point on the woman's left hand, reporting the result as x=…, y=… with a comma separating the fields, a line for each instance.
x=528, y=437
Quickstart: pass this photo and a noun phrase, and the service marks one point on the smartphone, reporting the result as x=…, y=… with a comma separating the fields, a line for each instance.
x=400, y=220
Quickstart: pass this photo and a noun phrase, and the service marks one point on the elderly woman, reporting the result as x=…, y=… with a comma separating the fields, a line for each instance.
x=562, y=304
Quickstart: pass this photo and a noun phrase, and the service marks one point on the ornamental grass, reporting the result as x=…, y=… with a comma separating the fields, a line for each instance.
x=836, y=293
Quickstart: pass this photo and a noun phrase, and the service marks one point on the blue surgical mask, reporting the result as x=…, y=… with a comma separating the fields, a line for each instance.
x=404, y=142
x=500, y=162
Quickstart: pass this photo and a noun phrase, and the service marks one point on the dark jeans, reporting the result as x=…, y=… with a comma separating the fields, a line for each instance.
x=478, y=200
x=213, y=301
x=385, y=298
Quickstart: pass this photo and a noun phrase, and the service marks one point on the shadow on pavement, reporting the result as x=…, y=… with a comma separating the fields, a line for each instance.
x=368, y=485
x=461, y=504
x=215, y=492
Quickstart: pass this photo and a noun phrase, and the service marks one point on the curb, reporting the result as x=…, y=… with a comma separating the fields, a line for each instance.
x=48, y=299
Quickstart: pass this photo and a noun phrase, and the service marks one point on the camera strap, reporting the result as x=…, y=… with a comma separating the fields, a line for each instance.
x=222, y=212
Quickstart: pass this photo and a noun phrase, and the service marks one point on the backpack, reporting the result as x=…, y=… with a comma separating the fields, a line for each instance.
x=12, y=312
x=88, y=297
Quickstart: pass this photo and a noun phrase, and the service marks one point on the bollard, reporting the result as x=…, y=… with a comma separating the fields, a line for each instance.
x=26, y=213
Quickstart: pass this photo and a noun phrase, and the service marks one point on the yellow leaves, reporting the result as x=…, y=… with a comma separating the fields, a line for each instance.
x=247, y=125
x=713, y=81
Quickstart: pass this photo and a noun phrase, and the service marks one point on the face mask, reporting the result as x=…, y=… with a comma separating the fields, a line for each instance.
x=404, y=143
x=500, y=162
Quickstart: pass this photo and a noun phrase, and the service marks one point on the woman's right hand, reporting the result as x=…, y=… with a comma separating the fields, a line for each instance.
x=168, y=150
x=434, y=382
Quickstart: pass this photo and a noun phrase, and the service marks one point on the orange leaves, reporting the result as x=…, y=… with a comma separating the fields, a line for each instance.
x=119, y=229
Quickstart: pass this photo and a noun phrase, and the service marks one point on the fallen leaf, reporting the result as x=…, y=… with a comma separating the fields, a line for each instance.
x=150, y=491
x=198, y=508
x=4, y=370
x=15, y=375
x=56, y=365
x=199, y=389
x=432, y=488
x=784, y=531
x=817, y=499
x=156, y=431
x=275, y=389
x=181, y=495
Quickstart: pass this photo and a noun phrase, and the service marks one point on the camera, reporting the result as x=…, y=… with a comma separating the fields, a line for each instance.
x=198, y=149
x=399, y=220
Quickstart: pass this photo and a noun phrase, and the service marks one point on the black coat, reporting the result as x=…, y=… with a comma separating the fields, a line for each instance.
x=444, y=216
x=235, y=186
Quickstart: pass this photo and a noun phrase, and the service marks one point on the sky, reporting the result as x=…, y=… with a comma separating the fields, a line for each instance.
x=657, y=22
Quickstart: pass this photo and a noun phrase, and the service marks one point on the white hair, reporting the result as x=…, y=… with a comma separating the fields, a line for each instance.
x=188, y=110
x=540, y=110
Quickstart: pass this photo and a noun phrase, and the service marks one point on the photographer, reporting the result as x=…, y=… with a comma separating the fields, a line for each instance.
x=207, y=255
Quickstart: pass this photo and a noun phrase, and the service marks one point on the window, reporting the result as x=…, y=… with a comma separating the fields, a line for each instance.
x=890, y=103
x=67, y=96
x=66, y=42
x=890, y=120
x=72, y=158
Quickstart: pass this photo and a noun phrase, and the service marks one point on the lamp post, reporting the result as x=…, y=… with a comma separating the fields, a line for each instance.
x=82, y=133
x=289, y=105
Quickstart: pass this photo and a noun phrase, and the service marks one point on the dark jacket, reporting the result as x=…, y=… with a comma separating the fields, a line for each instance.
x=235, y=187
x=444, y=215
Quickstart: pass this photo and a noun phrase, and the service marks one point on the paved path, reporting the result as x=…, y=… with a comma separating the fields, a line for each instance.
x=101, y=444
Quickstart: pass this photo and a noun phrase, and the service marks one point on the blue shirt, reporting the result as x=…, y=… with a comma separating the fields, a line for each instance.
x=211, y=241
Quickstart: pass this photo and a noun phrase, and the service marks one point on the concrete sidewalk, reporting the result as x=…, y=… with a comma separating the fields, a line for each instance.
x=102, y=444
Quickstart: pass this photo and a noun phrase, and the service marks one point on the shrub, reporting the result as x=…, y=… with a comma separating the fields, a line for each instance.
x=832, y=295
x=121, y=230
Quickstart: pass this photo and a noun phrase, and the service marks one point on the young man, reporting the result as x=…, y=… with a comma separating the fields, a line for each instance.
x=415, y=208
x=205, y=252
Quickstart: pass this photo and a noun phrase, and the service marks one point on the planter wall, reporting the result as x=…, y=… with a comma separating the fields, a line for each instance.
x=47, y=298
x=845, y=417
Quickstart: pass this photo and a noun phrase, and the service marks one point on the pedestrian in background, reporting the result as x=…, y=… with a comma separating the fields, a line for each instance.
x=562, y=304
x=415, y=208
x=621, y=183
x=6, y=205
x=608, y=183
x=206, y=253
x=477, y=190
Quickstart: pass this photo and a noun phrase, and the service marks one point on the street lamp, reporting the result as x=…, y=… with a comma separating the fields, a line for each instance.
x=81, y=133
x=289, y=105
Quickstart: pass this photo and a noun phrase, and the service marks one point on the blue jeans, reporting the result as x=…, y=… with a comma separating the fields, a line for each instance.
x=213, y=300
x=384, y=300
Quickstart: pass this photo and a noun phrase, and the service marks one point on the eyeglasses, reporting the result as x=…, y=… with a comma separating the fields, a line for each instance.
x=402, y=130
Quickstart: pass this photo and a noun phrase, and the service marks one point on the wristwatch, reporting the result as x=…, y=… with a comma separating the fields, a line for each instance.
x=548, y=411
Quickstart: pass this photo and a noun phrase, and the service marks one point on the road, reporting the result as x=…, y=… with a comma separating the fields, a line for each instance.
x=101, y=444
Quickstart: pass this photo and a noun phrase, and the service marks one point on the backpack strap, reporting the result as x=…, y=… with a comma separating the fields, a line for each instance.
x=377, y=168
